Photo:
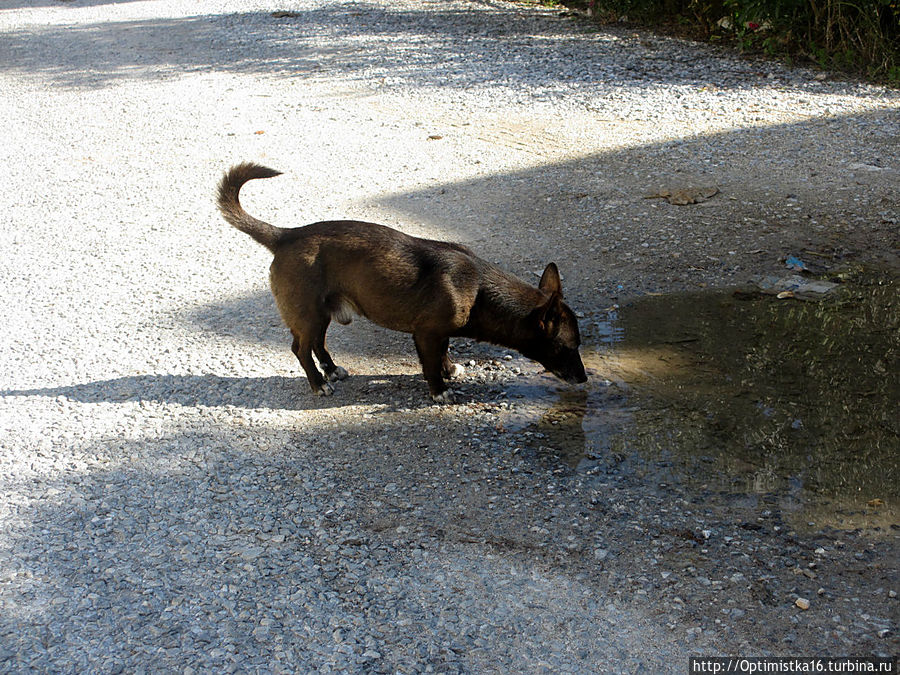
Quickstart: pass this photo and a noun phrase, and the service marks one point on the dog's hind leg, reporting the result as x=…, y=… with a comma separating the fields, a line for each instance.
x=333, y=372
x=432, y=351
x=302, y=348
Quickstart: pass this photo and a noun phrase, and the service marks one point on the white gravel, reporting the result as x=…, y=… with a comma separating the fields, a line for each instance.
x=174, y=500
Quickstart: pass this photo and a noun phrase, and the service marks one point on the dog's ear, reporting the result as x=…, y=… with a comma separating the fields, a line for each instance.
x=550, y=282
x=548, y=315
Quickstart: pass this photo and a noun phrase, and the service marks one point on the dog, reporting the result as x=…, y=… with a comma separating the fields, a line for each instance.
x=434, y=290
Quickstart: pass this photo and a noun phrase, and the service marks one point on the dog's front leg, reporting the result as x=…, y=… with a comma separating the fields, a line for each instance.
x=449, y=370
x=432, y=349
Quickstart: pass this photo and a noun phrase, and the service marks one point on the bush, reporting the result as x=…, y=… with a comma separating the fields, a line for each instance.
x=860, y=36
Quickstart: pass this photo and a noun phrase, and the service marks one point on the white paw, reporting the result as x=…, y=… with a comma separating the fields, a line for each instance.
x=337, y=374
x=325, y=390
x=456, y=370
x=446, y=396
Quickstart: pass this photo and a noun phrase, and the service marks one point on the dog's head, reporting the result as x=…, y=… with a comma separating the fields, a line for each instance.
x=554, y=329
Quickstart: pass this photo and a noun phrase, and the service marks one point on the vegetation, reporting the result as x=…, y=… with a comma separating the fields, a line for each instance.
x=855, y=36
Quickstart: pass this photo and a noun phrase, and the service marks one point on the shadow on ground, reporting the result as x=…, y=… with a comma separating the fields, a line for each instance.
x=274, y=393
x=354, y=40
x=181, y=541
x=783, y=189
x=182, y=548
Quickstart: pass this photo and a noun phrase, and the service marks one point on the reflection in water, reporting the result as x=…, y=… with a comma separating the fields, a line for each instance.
x=744, y=393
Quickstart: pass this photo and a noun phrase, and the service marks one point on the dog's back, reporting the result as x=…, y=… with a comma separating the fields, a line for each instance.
x=397, y=281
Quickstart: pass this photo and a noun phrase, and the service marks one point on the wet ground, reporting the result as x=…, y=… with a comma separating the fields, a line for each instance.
x=742, y=393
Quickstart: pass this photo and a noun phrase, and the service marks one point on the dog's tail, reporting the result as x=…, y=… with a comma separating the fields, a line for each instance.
x=233, y=212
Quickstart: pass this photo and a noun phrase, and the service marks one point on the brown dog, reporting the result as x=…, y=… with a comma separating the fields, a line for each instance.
x=432, y=289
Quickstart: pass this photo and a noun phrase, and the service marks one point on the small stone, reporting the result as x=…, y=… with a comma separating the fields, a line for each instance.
x=802, y=603
x=251, y=552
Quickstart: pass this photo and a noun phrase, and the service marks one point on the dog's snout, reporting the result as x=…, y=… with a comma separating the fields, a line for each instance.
x=578, y=378
x=572, y=371
x=574, y=378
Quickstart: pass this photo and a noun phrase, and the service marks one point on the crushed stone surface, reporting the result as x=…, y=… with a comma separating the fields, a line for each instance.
x=172, y=497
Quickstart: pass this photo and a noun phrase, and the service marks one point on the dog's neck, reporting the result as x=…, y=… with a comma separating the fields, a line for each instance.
x=501, y=312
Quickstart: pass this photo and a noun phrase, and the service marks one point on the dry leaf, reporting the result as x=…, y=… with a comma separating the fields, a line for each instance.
x=785, y=294
x=435, y=137
x=875, y=503
x=686, y=196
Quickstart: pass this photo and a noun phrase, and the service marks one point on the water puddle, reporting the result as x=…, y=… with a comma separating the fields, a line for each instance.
x=742, y=394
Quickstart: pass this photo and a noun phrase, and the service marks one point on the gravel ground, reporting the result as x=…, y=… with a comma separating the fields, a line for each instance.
x=174, y=499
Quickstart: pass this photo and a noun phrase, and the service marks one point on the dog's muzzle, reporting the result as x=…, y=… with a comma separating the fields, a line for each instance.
x=574, y=379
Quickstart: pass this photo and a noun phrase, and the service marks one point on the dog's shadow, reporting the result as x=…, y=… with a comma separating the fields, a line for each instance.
x=275, y=392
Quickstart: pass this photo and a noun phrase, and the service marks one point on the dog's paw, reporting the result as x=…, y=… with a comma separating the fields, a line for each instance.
x=337, y=374
x=446, y=396
x=325, y=390
x=455, y=371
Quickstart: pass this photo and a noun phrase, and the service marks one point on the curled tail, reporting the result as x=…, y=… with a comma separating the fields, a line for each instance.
x=233, y=212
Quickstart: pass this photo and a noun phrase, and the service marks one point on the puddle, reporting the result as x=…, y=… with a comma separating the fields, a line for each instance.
x=743, y=394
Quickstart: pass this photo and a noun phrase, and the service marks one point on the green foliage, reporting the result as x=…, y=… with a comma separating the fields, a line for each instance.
x=860, y=36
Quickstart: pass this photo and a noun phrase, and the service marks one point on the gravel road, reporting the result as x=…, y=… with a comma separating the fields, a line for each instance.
x=174, y=499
